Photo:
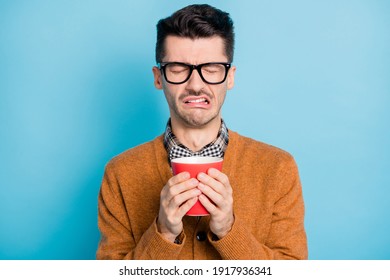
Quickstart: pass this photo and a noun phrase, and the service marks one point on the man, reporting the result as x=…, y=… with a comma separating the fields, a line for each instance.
x=255, y=202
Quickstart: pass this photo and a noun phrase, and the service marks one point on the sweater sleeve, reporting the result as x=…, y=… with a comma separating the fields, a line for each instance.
x=286, y=238
x=117, y=240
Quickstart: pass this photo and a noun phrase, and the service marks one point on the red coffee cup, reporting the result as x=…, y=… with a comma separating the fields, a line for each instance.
x=195, y=165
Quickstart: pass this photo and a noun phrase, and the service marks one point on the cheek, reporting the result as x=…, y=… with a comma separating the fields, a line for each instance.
x=170, y=95
x=222, y=92
x=173, y=91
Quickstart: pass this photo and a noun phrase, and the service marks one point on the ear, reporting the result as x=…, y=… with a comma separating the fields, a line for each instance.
x=230, y=77
x=157, y=77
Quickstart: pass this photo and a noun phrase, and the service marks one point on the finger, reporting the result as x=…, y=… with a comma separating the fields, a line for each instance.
x=187, y=206
x=211, y=194
x=211, y=182
x=179, y=178
x=181, y=187
x=180, y=199
x=219, y=176
x=208, y=204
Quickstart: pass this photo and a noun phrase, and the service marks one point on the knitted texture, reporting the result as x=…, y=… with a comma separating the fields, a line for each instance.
x=268, y=206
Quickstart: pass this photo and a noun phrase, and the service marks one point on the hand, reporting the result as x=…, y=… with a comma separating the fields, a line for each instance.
x=217, y=198
x=176, y=198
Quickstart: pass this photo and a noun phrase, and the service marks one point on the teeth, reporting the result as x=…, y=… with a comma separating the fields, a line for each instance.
x=197, y=100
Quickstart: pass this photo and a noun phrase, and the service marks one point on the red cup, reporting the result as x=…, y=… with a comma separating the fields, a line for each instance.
x=195, y=165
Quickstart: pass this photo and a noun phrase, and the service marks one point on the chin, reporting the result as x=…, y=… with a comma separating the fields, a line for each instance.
x=198, y=122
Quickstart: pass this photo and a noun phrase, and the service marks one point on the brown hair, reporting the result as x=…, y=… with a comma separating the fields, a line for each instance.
x=196, y=21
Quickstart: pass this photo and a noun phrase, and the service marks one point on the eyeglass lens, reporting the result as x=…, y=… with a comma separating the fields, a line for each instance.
x=211, y=72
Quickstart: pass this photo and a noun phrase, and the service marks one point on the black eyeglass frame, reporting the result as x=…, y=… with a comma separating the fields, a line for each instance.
x=162, y=67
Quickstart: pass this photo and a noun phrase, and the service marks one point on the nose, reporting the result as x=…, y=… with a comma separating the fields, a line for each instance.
x=195, y=82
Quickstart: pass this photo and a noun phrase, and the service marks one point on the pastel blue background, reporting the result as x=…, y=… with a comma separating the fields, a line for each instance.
x=76, y=88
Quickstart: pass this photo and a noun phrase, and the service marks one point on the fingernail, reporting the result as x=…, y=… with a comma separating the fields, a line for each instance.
x=201, y=175
x=194, y=182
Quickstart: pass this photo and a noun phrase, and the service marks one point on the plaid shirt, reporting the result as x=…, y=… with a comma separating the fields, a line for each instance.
x=176, y=149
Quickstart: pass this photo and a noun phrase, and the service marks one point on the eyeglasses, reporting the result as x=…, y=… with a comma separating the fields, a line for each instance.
x=212, y=73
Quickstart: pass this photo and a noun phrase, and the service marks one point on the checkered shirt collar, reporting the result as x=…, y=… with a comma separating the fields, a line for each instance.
x=176, y=149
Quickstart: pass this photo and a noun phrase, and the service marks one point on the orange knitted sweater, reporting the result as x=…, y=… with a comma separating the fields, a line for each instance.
x=268, y=206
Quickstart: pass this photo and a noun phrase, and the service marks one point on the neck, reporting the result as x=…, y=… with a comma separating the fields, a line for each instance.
x=195, y=138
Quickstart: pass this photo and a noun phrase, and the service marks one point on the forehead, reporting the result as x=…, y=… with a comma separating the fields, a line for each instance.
x=194, y=51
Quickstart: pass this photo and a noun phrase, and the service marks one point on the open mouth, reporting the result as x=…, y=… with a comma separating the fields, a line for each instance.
x=197, y=101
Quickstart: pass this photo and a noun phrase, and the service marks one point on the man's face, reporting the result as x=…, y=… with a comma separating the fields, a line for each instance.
x=194, y=103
